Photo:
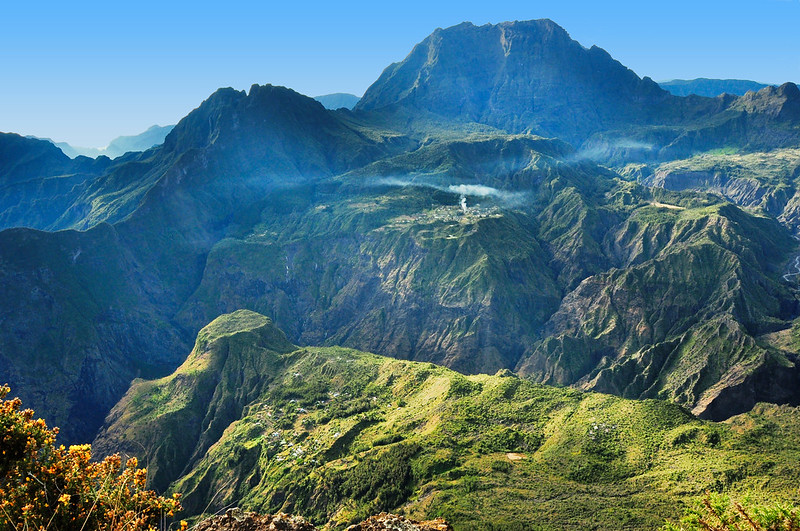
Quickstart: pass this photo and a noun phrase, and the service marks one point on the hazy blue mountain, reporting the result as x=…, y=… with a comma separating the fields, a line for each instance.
x=123, y=144
x=39, y=183
x=710, y=88
x=74, y=300
x=153, y=136
x=531, y=77
x=338, y=100
x=427, y=224
x=522, y=77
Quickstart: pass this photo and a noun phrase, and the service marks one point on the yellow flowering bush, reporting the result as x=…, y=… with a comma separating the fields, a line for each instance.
x=53, y=488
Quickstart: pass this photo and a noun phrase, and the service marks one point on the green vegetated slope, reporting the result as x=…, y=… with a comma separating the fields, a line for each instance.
x=767, y=181
x=347, y=228
x=369, y=262
x=336, y=434
x=563, y=271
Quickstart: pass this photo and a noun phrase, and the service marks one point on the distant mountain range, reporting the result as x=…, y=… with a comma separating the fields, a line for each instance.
x=502, y=199
x=119, y=146
x=338, y=100
x=710, y=88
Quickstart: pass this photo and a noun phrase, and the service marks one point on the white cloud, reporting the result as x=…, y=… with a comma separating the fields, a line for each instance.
x=510, y=199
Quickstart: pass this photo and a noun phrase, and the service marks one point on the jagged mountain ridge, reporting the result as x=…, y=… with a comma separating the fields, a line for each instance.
x=518, y=76
x=185, y=195
x=532, y=77
x=346, y=228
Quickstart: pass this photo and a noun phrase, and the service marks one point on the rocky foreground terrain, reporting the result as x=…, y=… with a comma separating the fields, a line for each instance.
x=235, y=520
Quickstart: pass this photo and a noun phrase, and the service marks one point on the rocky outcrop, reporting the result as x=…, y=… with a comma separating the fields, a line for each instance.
x=393, y=522
x=237, y=520
x=781, y=103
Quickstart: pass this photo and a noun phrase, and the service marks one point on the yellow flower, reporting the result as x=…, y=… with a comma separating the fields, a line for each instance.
x=184, y=525
x=64, y=498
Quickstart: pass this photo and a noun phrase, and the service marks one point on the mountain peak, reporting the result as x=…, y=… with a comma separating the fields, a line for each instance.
x=524, y=77
x=782, y=103
x=231, y=116
x=244, y=322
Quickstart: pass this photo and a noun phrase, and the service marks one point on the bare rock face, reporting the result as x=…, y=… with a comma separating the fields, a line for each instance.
x=522, y=77
x=236, y=520
x=393, y=522
x=782, y=103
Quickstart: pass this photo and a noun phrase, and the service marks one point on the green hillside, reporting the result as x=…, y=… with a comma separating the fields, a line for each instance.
x=336, y=434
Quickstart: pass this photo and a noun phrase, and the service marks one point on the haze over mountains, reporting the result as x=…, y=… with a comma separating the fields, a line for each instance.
x=338, y=100
x=153, y=136
x=710, y=88
x=501, y=199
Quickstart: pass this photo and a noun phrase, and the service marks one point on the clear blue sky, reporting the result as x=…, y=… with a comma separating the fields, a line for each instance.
x=86, y=72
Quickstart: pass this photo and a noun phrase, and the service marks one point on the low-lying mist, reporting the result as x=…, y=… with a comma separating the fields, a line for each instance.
x=504, y=197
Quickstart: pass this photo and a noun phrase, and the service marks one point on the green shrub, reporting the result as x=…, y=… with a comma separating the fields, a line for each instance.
x=501, y=465
x=381, y=481
x=462, y=387
x=716, y=512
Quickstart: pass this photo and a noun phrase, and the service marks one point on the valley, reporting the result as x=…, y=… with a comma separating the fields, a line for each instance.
x=514, y=285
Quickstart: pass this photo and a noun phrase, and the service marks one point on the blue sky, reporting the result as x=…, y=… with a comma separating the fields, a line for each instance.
x=86, y=72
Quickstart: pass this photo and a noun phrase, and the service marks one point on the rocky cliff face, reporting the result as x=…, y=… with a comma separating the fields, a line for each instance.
x=78, y=324
x=518, y=76
x=767, y=181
